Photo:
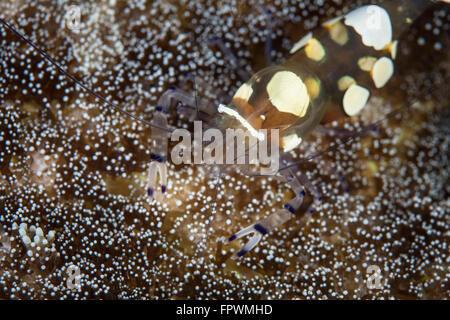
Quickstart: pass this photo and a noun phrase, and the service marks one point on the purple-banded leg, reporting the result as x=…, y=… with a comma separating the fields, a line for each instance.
x=276, y=219
x=158, y=155
x=156, y=169
x=156, y=188
x=303, y=181
x=317, y=195
x=259, y=229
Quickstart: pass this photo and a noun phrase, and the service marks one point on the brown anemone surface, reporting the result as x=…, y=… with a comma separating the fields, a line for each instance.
x=74, y=166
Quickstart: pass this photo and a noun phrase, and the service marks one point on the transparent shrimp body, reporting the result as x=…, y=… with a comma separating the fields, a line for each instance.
x=287, y=98
x=342, y=62
x=350, y=57
x=157, y=171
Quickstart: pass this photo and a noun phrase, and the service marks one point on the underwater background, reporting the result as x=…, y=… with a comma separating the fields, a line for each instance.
x=72, y=171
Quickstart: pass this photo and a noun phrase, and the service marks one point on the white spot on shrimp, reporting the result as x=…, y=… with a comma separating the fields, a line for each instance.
x=291, y=141
x=355, y=98
x=373, y=24
x=315, y=50
x=382, y=71
x=367, y=63
x=345, y=82
x=288, y=93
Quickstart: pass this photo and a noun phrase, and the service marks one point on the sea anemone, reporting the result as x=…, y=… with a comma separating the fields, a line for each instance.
x=74, y=166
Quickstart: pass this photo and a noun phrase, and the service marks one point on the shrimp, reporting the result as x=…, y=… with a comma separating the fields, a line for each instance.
x=291, y=98
x=295, y=96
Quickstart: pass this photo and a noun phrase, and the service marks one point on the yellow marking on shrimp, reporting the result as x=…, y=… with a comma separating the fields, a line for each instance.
x=338, y=33
x=330, y=22
x=313, y=87
x=392, y=48
x=382, y=71
x=315, y=50
x=301, y=43
x=355, y=98
x=288, y=93
x=366, y=63
x=345, y=82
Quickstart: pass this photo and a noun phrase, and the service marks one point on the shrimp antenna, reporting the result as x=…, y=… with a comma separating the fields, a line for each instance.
x=195, y=95
x=76, y=81
x=335, y=146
